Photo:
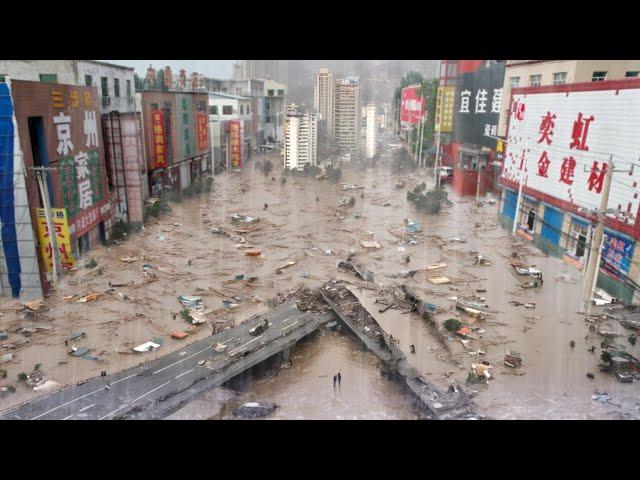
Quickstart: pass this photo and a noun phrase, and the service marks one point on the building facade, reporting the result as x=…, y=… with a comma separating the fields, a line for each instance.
x=561, y=140
x=535, y=73
x=301, y=138
x=58, y=135
x=225, y=108
x=323, y=97
x=346, y=115
x=371, y=131
x=275, y=104
x=261, y=69
x=176, y=138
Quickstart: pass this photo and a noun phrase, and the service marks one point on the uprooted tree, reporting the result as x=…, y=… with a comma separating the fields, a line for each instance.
x=427, y=201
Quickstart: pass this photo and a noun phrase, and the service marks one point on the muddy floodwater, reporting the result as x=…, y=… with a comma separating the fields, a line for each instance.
x=301, y=223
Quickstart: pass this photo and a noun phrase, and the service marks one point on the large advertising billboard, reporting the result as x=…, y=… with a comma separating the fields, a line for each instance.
x=159, y=139
x=412, y=106
x=477, y=105
x=560, y=140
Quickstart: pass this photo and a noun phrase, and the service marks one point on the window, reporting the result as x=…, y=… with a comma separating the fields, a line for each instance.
x=560, y=78
x=213, y=110
x=267, y=119
x=599, y=76
x=227, y=110
x=88, y=80
x=535, y=80
x=2, y=80
x=514, y=82
x=270, y=93
x=452, y=70
x=49, y=78
x=241, y=109
x=116, y=87
x=248, y=109
x=281, y=92
x=104, y=85
x=128, y=88
x=577, y=241
x=631, y=74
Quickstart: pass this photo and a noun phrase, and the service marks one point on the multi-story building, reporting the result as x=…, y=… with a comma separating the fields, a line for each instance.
x=119, y=118
x=53, y=175
x=274, y=110
x=323, y=97
x=301, y=147
x=371, y=131
x=536, y=73
x=346, y=114
x=226, y=108
x=561, y=141
x=262, y=69
x=176, y=137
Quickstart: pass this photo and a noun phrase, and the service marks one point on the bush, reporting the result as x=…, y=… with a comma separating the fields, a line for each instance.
x=452, y=325
x=156, y=209
x=3, y=373
x=120, y=230
x=22, y=377
x=11, y=388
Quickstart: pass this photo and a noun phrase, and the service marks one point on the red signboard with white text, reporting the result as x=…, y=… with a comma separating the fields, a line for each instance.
x=159, y=141
x=235, y=140
x=412, y=106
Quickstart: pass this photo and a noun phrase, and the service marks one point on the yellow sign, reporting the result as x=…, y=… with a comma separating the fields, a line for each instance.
x=63, y=238
x=499, y=146
x=444, y=109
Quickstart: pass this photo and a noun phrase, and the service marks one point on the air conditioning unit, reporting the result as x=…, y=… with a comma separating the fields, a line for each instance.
x=106, y=101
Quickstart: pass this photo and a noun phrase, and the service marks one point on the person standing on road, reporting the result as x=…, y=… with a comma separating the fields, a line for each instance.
x=339, y=379
x=335, y=378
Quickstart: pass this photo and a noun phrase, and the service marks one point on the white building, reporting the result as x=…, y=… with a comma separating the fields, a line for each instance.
x=224, y=107
x=301, y=138
x=263, y=69
x=371, y=131
x=274, y=109
x=346, y=114
x=323, y=97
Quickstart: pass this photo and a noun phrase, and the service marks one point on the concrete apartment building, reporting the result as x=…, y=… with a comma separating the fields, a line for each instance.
x=224, y=108
x=262, y=69
x=346, y=114
x=323, y=97
x=301, y=138
x=535, y=73
x=274, y=110
x=371, y=131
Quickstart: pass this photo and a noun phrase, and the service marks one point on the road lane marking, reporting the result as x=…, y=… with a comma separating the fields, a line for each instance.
x=241, y=346
x=86, y=408
x=79, y=398
x=67, y=418
x=180, y=361
x=134, y=401
x=184, y=373
x=289, y=326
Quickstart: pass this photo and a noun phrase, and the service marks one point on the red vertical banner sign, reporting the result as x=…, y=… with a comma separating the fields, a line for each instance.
x=159, y=141
x=203, y=138
x=236, y=144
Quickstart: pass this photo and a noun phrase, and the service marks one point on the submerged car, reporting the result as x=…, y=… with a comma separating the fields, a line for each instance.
x=254, y=409
x=446, y=174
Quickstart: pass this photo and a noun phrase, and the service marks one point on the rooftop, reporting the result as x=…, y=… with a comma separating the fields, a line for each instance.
x=228, y=95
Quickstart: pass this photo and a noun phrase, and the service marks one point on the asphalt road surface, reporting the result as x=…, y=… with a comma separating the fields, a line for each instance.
x=159, y=387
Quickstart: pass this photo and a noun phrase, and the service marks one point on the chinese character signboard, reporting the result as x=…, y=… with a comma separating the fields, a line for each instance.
x=444, y=109
x=477, y=105
x=235, y=140
x=617, y=252
x=63, y=238
x=412, y=107
x=159, y=139
x=566, y=138
x=203, y=134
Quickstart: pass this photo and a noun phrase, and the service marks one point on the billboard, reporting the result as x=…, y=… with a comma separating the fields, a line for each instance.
x=203, y=131
x=560, y=139
x=617, y=252
x=477, y=105
x=63, y=238
x=444, y=109
x=412, y=106
x=235, y=140
x=159, y=139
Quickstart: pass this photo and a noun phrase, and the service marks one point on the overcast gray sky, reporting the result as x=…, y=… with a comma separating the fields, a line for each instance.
x=209, y=68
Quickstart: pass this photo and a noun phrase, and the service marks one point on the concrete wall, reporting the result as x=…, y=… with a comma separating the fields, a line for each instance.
x=31, y=70
x=111, y=72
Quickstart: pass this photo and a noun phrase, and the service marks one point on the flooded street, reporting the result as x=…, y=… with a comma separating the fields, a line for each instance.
x=184, y=256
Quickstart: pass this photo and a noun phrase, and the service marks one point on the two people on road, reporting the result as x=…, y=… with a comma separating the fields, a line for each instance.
x=337, y=378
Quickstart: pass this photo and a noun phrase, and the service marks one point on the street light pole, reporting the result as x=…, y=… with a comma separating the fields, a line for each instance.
x=595, y=252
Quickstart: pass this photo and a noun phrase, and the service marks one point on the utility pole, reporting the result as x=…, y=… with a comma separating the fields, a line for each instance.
x=518, y=202
x=478, y=184
x=595, y=252
x=421, y=140
x=55, y=253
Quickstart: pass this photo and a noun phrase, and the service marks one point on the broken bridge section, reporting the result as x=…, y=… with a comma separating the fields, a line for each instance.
x=454, y=404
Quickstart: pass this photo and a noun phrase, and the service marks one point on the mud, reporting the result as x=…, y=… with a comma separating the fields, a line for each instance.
x=551, y=383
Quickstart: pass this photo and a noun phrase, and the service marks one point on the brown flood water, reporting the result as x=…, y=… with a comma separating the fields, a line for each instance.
x=296, y=227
